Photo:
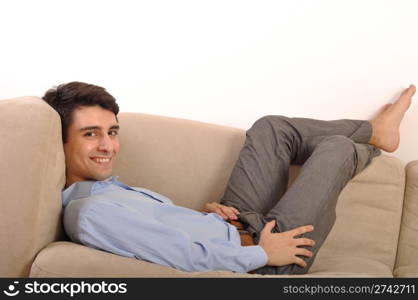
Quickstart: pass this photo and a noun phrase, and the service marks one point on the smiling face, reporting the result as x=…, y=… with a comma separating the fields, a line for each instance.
x=92, y=144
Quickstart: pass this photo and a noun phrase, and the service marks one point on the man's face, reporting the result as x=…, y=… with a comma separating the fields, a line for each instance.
x=92, y=144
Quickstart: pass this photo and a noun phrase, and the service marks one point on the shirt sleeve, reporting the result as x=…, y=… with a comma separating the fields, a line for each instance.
x=103, y=226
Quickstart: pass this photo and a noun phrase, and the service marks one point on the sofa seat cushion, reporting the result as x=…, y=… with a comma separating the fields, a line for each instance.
x=67, y=259
x=329, y=262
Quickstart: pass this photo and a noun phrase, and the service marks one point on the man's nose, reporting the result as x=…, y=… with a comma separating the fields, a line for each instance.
x=105, y=144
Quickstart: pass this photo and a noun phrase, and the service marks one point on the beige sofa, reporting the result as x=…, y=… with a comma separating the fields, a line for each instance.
x=375, y=235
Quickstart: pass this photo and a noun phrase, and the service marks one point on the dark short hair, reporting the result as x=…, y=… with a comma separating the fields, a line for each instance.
x=66, y=98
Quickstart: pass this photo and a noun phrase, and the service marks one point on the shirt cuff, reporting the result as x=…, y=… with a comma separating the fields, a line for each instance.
x=257, y=257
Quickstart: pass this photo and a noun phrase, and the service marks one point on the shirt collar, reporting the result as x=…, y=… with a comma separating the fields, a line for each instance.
x=82, y=189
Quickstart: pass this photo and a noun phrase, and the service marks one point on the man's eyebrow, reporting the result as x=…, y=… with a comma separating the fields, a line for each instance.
x=97, y=127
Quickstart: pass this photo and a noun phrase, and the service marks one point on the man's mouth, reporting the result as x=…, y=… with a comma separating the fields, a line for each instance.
x=103, y=161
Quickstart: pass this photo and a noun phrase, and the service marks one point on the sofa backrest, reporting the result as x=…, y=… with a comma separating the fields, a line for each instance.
x=188, y=161
x=31, y=177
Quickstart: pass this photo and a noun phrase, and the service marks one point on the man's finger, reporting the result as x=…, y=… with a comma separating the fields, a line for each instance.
x=219, y=212
x=304, y=242
x=228, y=212
x=300, y=262
x=304, y=252
x=301, y=230
x=235, y=210
x=269, y=226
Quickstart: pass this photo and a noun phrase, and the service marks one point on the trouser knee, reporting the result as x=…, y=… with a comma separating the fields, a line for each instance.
x=337, y=147
x=271, y=126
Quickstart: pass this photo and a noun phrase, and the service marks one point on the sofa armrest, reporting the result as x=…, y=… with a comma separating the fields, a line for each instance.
x=407, y=256
x=32, y=172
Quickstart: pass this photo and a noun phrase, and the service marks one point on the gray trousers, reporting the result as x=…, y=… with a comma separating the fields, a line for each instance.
x=331, y=152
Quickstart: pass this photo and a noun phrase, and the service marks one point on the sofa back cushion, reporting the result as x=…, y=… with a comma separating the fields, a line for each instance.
x=32, y=173
x=366, y=232
x=188, y=161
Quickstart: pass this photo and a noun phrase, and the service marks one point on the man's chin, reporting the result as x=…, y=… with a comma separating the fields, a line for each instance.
x=100, y=177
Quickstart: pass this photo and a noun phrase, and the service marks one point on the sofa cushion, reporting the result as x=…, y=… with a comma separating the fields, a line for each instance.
x=32, y=173
x=188, y=161
x=407, y=258
x=367, y=227
x=66, y=259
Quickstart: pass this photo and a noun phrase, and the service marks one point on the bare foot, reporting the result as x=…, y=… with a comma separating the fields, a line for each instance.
x=386, y=124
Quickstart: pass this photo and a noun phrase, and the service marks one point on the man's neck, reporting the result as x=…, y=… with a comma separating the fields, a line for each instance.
x=70, y=181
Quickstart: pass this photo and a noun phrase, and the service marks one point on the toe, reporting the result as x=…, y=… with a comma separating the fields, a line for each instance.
x=410, y=91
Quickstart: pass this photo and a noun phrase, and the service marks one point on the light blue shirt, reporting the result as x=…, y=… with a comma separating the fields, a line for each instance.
x=139, y=223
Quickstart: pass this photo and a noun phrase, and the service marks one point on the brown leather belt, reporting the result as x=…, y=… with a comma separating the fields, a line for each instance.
x=246, y=238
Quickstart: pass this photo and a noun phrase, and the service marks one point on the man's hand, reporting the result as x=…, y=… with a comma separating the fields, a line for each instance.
x=226, y=212
x=282, y=248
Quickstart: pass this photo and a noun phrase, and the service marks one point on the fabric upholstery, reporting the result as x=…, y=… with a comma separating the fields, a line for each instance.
x=66, y=259
x=32, y=173
x=407, y=259
x=369, y=211
x=188, y=161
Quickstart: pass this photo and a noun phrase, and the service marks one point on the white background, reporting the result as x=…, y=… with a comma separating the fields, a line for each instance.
x=223, y=62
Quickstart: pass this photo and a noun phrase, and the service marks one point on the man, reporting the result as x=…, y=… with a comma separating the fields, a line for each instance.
x=287, y=227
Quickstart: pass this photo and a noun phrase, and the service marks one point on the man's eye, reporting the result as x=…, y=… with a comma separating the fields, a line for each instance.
x=113, y=132
x=90, y=134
